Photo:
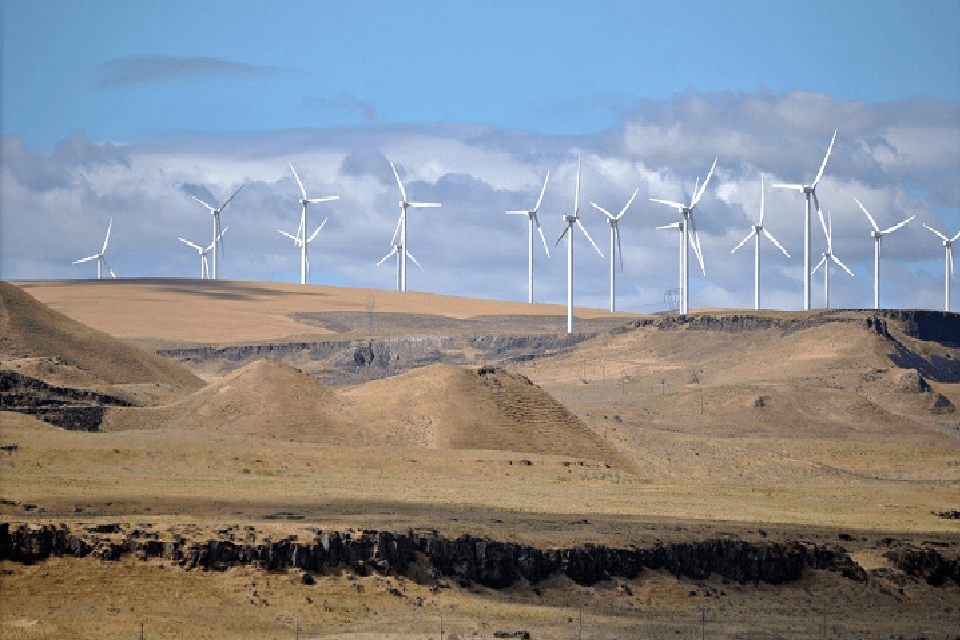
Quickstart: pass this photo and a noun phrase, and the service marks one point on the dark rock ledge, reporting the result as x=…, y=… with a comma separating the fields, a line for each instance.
x=468, y=560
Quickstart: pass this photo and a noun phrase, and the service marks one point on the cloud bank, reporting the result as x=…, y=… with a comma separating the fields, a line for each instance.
x=899, y=158
x=142, y=69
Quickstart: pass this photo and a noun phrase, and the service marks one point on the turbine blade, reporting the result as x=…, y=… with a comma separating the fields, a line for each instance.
x=109, y=268
x=744, y=241
x=203, y=203
x=695, y=242
x=864, y=209
x=542, y=239
x=824, y=225
x=703, y=187
x=955, y=237
x=825, y=158
x=224, y=205
x=604, y=211
x=424, y=205
x=191, y=244
x=86, y=259
x=627, y=206
x=392, y=251
x=670, y=203
x=774, y=241
x=302, y=190
x=795, y=187
x=672, y=225
x=323, y=199
x=397, y=229
x=310, y=239
x=589, y=238
x=292, y=237
x=696, y=187
x=819, y=264
x=567, y=228
x=837, y=260
x=517, y=213
x=576, y=200
x=107, y=239
x=403, y=193
x=761, y=200
x=945, y=239
x=542, y=191
x=616, y=231
x=897, y=226
x=220, y=237
x=410, y=255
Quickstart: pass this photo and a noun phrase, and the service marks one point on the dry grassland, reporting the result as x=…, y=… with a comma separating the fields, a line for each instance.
x=631, y=438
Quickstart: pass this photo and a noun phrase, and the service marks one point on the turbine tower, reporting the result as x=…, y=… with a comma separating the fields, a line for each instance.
x=810, y=192
x=302, y=229
x=397, y=248
x=948, y=263
x=614, y=222
x=571, y=220
x=757, y=229
x=204, y=265
x=678, y=225
x=217, y=235
x=299, y=241
x=825, y=263
x=878, y=237
x=688, y=226
x=402, y=227
x=99, y=257
x=532, y=214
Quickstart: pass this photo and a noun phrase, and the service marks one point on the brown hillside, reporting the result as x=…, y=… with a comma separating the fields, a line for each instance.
x=30, y=329
x=265, y=399
x=446, y=407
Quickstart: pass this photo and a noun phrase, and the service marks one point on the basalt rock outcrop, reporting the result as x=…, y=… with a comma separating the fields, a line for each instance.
x=468, y=560
x=74, y=409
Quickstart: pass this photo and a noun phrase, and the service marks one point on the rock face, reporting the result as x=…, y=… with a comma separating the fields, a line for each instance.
x=75, y=409
x=469, y=560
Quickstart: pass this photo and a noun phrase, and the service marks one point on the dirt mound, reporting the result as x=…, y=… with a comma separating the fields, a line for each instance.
x=446, y=407
x=30, y=329
x=264, y=399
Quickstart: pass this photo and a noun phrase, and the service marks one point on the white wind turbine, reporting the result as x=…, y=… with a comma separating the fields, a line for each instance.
x=614, y=222
x=825, y=262
x=217, y=235
x=878, y=237
x=948, y=263
x=299, y=241
x=810, y=192
x=532, y=214
x=688, y=226
x=757, y=229
x=571, y=220
x=99, y=257
x=302, y=229
x=204, y=265
x=397, y=249
x=402, y=227
x=678, y=225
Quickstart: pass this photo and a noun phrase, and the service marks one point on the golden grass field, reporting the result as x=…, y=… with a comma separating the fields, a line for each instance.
x=632, y=437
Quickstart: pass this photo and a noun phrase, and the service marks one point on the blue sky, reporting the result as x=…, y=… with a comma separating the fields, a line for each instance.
x=121, y=108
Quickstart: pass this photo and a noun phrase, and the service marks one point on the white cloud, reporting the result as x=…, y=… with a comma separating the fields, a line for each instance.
x=899, y=159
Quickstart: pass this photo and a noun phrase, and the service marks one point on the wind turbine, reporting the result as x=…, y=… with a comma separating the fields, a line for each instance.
x=878, y=237
x=204, y=265
x=99, y=257
x=614, y=222
x=571, y=220
x=757, y=229
x=948, y=263
x=825, y=263
x=397, y=249
x=299, y=241
x=688, y=226
x=532, y=214
x=810, y=192
x=217, y=235
x=402, y=227
x=302, y=229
